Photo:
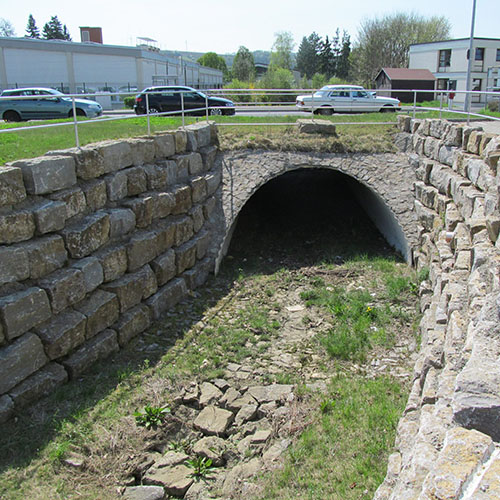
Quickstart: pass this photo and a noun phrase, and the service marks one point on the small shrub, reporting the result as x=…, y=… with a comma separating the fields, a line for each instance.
x=202, y=466
x=151, y=416
x=493, y=105
x=129, y=102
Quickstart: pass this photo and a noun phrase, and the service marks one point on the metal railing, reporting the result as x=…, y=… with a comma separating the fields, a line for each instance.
x=250, y=100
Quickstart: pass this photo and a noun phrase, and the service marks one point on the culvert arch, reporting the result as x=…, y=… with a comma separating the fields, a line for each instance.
x=382, y=184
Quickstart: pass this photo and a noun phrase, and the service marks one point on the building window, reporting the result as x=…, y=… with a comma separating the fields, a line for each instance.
x=498, y=55
x=446, y=84
x=444, y=58
x=85, y=36
x=479, y=54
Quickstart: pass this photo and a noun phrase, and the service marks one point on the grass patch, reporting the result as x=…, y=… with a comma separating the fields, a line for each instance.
x=335, y=458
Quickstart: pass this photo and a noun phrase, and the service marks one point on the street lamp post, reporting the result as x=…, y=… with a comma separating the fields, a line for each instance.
x=471, y=56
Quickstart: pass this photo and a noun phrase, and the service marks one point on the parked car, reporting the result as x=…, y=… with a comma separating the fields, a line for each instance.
x=165, y=99
x=345, y=99
x=57, y=105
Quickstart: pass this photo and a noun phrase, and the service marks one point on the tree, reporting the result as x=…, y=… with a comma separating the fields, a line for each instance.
x=54, y=30
x=6, y=28
x=212, y=60
x=307, y=55
x=326, y=59
x=32, y=29
x=386, y=42
x=343, y=60
x=282, y=51
x=243, y=65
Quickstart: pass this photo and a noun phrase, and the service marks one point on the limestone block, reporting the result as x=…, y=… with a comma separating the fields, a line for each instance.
x=45, y=255
x=431, y=148
x=182, y=170
x=167, y=297
x=209, y=207
x=88, y=161
x=156, y=178
x=50, y=216
x=64, y=288
x=180, y=141
x=211, y=447
x=6, y=408
x=136, y=181
x=453, y=136
x=144, y=493
x=415, y=125
x=203, y=241
x=213, y=421
x=16, y=226
x=12, y=188
x=143, y=209
x=213, y=182
x=14, y=264
x=93, y=350
x=165, y=230
x=440, y=178
x=463, y=452
x=183, y=201
x=142, y=150
x=268, y=393
x=22, y=311
x=404, y=123
x=185, y=256
x=101, y=310
x=164, y=145
x=195, y=164
x=121, y=222
x=113, y=261
x=19, y=360
x=133, y=287
x=47, y=174
x=93, y=274
x=489, y=486
x=446, y=155
x=198, y=189
x=116, y=185
x=202, y=132
x=491, y=154
x=175, y=480
x=436, y=128
x=74, y=200
x=85, y=237
x=197, y=275
x=323, y=127
x=116, y=155
x=142, y=248
x=425, y=216
x=40, y=384
x=164, y=267
x=426, y=194
x=163, y=203
x=169, y=168
x=208, y=154
x=196, y=213
x=474, y=141
x=62, y=333
x=95, y=194
x=192, y=143
x=132, y=323
x=184, y=230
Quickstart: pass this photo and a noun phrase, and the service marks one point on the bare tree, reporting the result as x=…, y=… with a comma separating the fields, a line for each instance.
x=6, y=28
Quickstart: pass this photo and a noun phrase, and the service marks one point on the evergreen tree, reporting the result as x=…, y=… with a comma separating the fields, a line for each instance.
x=243, y=65
x=326, y=59
x=343, y=61
x=54, y=30
x=32, y=29
x=307, y=55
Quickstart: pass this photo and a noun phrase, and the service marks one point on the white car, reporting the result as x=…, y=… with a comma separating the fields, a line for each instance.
x=345, y=99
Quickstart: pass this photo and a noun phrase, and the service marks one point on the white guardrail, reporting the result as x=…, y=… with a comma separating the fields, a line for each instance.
x=260, y=101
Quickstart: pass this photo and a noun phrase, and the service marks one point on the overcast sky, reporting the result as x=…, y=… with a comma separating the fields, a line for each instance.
x=223, y=25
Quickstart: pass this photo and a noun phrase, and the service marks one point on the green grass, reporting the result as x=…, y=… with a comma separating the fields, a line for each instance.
x=343, y=455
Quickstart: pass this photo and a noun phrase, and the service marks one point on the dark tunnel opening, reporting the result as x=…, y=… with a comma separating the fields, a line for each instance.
x=307, y=216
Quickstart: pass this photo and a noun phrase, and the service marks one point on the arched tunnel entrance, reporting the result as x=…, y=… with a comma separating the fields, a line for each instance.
x=319, y=214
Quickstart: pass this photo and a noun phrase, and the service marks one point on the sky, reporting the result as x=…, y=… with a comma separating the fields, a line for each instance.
x=222, y=26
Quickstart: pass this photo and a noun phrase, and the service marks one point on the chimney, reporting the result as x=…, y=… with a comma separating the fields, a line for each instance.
x=88, y=34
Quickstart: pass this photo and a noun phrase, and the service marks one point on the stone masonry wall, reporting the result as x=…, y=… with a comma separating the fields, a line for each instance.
x=95, y=244
x=448, y=438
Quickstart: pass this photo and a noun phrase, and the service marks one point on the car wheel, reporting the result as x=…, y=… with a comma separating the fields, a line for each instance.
x=388, y=109
x=79, y=112
x=153, y=111
x=325, y=111
x=215, y=111
x=11, y=116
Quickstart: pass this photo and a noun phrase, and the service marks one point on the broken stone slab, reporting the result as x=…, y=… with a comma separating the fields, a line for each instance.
x=236, y=476
x=213, y=421
x=211, y=447
x=246, y=413
x=268, y=393
x=6, y=408
x=144, y=493
x=170, y=459
x=261, y=437
x=236, y=404
x=276, y=450
x=209, y=394
x=323, y=127
x=176, y=480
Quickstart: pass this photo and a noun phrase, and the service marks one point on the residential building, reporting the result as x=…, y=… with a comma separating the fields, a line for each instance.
x=404, y=78
x=75, y=67
x=448, y=60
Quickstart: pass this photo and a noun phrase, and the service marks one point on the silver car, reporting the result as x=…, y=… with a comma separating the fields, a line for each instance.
x=345, y=99
x=43, y=103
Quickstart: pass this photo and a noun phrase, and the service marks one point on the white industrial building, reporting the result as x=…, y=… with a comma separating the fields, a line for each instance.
x=74, y=67
x=448, y=60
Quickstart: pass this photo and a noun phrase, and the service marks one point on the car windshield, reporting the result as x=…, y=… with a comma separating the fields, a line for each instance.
x=202, y=94
x=321, y=93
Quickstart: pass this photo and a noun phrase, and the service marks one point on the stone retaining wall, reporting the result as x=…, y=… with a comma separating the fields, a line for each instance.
x=447, y=441
x=95, y=244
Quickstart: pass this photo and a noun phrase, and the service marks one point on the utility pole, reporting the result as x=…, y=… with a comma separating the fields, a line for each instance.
x=472, y=56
